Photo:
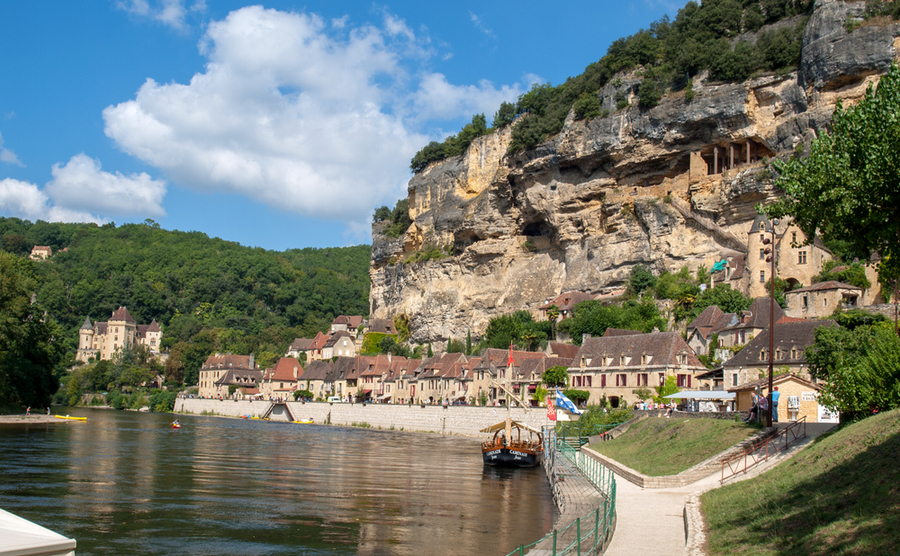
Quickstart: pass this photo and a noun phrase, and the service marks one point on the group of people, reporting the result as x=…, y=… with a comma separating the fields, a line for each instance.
x=761, y=405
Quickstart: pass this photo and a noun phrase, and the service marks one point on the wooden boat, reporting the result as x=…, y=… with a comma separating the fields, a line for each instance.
x=71, y=418
x=508, y=448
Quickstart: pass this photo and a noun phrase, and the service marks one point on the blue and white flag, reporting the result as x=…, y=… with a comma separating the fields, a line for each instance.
x=565, y=403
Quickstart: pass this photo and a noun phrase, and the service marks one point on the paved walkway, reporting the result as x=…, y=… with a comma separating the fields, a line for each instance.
x=657, y=520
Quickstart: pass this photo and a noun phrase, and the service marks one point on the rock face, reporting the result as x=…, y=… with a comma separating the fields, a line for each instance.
x=667, y=187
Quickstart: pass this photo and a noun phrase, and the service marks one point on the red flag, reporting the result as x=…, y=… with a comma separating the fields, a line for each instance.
x=510, y=362
x=551, y=411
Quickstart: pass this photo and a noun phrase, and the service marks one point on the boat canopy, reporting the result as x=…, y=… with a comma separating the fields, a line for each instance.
x=703, y=395
x=502, y=425
x=24, y=538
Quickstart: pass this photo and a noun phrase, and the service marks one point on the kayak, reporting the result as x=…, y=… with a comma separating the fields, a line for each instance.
x=71, y=418
x=176, y=426
x=307, y=422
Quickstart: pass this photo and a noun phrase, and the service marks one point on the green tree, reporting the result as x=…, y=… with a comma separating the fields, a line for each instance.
x=860, y=368
x=846, y=188
x=640, y=278
x=505, y=115
x=30, y=343
x=557, y=376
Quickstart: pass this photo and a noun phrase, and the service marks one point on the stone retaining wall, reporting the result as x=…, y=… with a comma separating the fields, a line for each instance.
x=455, y=419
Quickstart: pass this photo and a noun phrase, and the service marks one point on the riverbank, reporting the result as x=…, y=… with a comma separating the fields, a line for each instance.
x=38, y=418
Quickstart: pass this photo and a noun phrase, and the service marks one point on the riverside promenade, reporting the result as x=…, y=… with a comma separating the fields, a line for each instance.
x=669, y=520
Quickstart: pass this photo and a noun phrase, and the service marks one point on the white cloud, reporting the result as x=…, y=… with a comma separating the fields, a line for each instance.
x=8, y=156
x=309, y=116
x=438, y=98
x=481, y=26
x=167, y=12
x=82, y=185
x=25, y=200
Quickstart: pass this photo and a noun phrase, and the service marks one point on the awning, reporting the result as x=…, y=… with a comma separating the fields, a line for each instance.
x=703, y=395
x=23, y=538
x=384, y=397
x=368, y=391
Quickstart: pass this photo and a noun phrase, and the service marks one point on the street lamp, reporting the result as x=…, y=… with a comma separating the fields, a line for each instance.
x=770, y=257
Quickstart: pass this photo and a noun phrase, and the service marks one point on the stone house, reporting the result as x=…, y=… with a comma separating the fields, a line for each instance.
x=216, y=366
x=750, y=323
x=565, y=303
x=821, y=299
x=530, y=374
x=382, y=326
x=618, y=366
x=433, y=380
x=339, y=344
x=41, y=252
x=245, y=381
x=799, y=398
x=298, y=347
x=395, y=386
x=344, y=323
x=280, y=381
x=709, y=322
x=346, y=376
x=102, y=339
x=371, y=376
x=791, y=341
x=318, y=378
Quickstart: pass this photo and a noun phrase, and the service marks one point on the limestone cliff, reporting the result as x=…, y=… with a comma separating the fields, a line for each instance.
x=667, y=187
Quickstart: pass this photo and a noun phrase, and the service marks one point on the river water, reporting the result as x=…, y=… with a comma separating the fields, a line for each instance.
x=126, y=483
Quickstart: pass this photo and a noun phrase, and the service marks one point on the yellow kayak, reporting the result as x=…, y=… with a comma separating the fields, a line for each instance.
x=306, y=422
x=71, y=418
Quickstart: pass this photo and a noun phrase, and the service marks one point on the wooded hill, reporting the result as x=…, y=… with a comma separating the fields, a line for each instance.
x=207, y=293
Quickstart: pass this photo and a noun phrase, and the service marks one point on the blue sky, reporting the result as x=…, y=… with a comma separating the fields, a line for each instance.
x=281, y=125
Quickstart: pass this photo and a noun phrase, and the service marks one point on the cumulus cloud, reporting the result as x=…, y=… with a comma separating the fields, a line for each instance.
x=167, y=12
x=26, y=200
x=8, y=156
x=313, y=117
x=82, y=185
x=79, y=191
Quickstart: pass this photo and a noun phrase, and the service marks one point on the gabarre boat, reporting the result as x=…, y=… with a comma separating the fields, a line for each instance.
x=507, y=447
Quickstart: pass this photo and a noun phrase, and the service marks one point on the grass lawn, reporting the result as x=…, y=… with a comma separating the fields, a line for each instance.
x=658, y=446
x=840, y=496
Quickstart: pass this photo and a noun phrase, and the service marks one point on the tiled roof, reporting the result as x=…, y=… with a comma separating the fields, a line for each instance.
x=559, y=349
x=87, y=324
x=317, y=370
x=790, y=335
x=757, y=316
x=300, y=344
x=240, y=377
x=568, y=300
x=620, y=332
x=228, y=360
x=663, y=347
x=540, y=366
x=385, y=326
x=776, y=380
x=500, y=357
x=121, y=314
x=822, y=286
x=285, y=370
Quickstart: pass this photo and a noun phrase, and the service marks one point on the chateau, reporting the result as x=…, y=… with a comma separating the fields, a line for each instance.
x=102, y=339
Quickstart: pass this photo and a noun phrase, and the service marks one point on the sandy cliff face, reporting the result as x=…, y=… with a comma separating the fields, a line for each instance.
x=672, y=186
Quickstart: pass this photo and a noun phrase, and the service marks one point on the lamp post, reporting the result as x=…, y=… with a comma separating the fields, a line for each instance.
x=770, y=252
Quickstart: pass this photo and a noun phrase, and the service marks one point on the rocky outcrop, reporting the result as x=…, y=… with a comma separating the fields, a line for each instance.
x=667, y=187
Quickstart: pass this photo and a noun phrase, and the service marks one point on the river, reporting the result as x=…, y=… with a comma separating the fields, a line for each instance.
x=126, y=483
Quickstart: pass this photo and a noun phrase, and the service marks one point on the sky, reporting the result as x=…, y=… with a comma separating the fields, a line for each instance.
x=281, y=126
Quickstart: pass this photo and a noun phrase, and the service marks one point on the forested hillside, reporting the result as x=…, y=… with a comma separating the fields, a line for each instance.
x=207, y=293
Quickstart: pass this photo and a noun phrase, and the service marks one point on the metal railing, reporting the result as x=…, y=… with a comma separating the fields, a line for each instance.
x=763, y=450
x=590, y=533
x=573, y=433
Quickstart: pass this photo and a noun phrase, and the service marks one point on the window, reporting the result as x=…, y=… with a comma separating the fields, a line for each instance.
x=734, y=379
x=587, y=381
x=762, y=254
x=793, y=237
x=662, y=379
x=805, y=302
x=621, y=380
x=801, y=257
x=684, y=381
x=762, y=276
x=643, y=379
x=602, y=381
x=762, y=355
x=762, y=226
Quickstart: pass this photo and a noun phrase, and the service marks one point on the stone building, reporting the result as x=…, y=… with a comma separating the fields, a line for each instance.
x=791, y=341
x=618, y=366
x=281, y=380
x=821, y=299
x=216, y=366
x=709, y=322
x=41, y=252
x=799, y=398
x=101, y=340
x=750, y=323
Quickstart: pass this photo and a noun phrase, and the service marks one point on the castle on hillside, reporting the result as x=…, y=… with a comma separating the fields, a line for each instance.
x=101, y=339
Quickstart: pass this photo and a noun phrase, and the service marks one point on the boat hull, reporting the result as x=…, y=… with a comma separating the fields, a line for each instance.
x=511, y=457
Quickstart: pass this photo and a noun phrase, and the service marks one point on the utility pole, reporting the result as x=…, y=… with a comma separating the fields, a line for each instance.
x=770, y=252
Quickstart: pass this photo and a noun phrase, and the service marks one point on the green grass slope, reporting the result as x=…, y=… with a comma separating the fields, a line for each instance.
x=840, y=496
x=658, y=446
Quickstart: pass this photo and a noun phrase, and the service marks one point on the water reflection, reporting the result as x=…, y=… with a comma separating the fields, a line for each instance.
x=127, y=483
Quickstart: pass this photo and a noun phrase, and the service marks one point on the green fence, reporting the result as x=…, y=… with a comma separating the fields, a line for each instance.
x=587, y=534
x=572, y=432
